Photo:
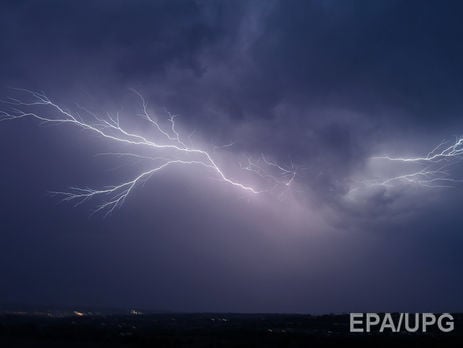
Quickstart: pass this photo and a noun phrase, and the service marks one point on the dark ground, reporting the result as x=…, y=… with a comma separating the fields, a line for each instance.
x=47, y=329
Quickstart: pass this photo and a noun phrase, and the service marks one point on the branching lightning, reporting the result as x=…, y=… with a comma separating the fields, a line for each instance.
x=286, y=175
x=434, y=168
x=423, y=177
x=440, y=153
x=168, y=147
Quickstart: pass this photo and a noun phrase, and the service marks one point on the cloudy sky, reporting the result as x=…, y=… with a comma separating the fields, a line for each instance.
x=319, y=88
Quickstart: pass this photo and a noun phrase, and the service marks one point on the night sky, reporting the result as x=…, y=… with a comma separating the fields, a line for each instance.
x=322, y=85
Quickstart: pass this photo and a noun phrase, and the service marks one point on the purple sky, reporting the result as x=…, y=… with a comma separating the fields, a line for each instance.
x=325, y=85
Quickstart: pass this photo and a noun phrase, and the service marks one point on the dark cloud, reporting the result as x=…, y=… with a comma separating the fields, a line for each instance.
x=324, y=85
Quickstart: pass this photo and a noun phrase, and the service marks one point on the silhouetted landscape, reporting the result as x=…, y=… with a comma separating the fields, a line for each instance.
x=137, y=329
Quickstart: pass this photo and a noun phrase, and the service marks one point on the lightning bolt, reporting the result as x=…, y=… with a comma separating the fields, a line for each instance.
x=281, y=180
x=165, y=141
x=440, y=153
x=423, y=177
x=433, y=168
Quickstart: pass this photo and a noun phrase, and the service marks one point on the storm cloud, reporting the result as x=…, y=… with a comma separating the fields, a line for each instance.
x=324, y=85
